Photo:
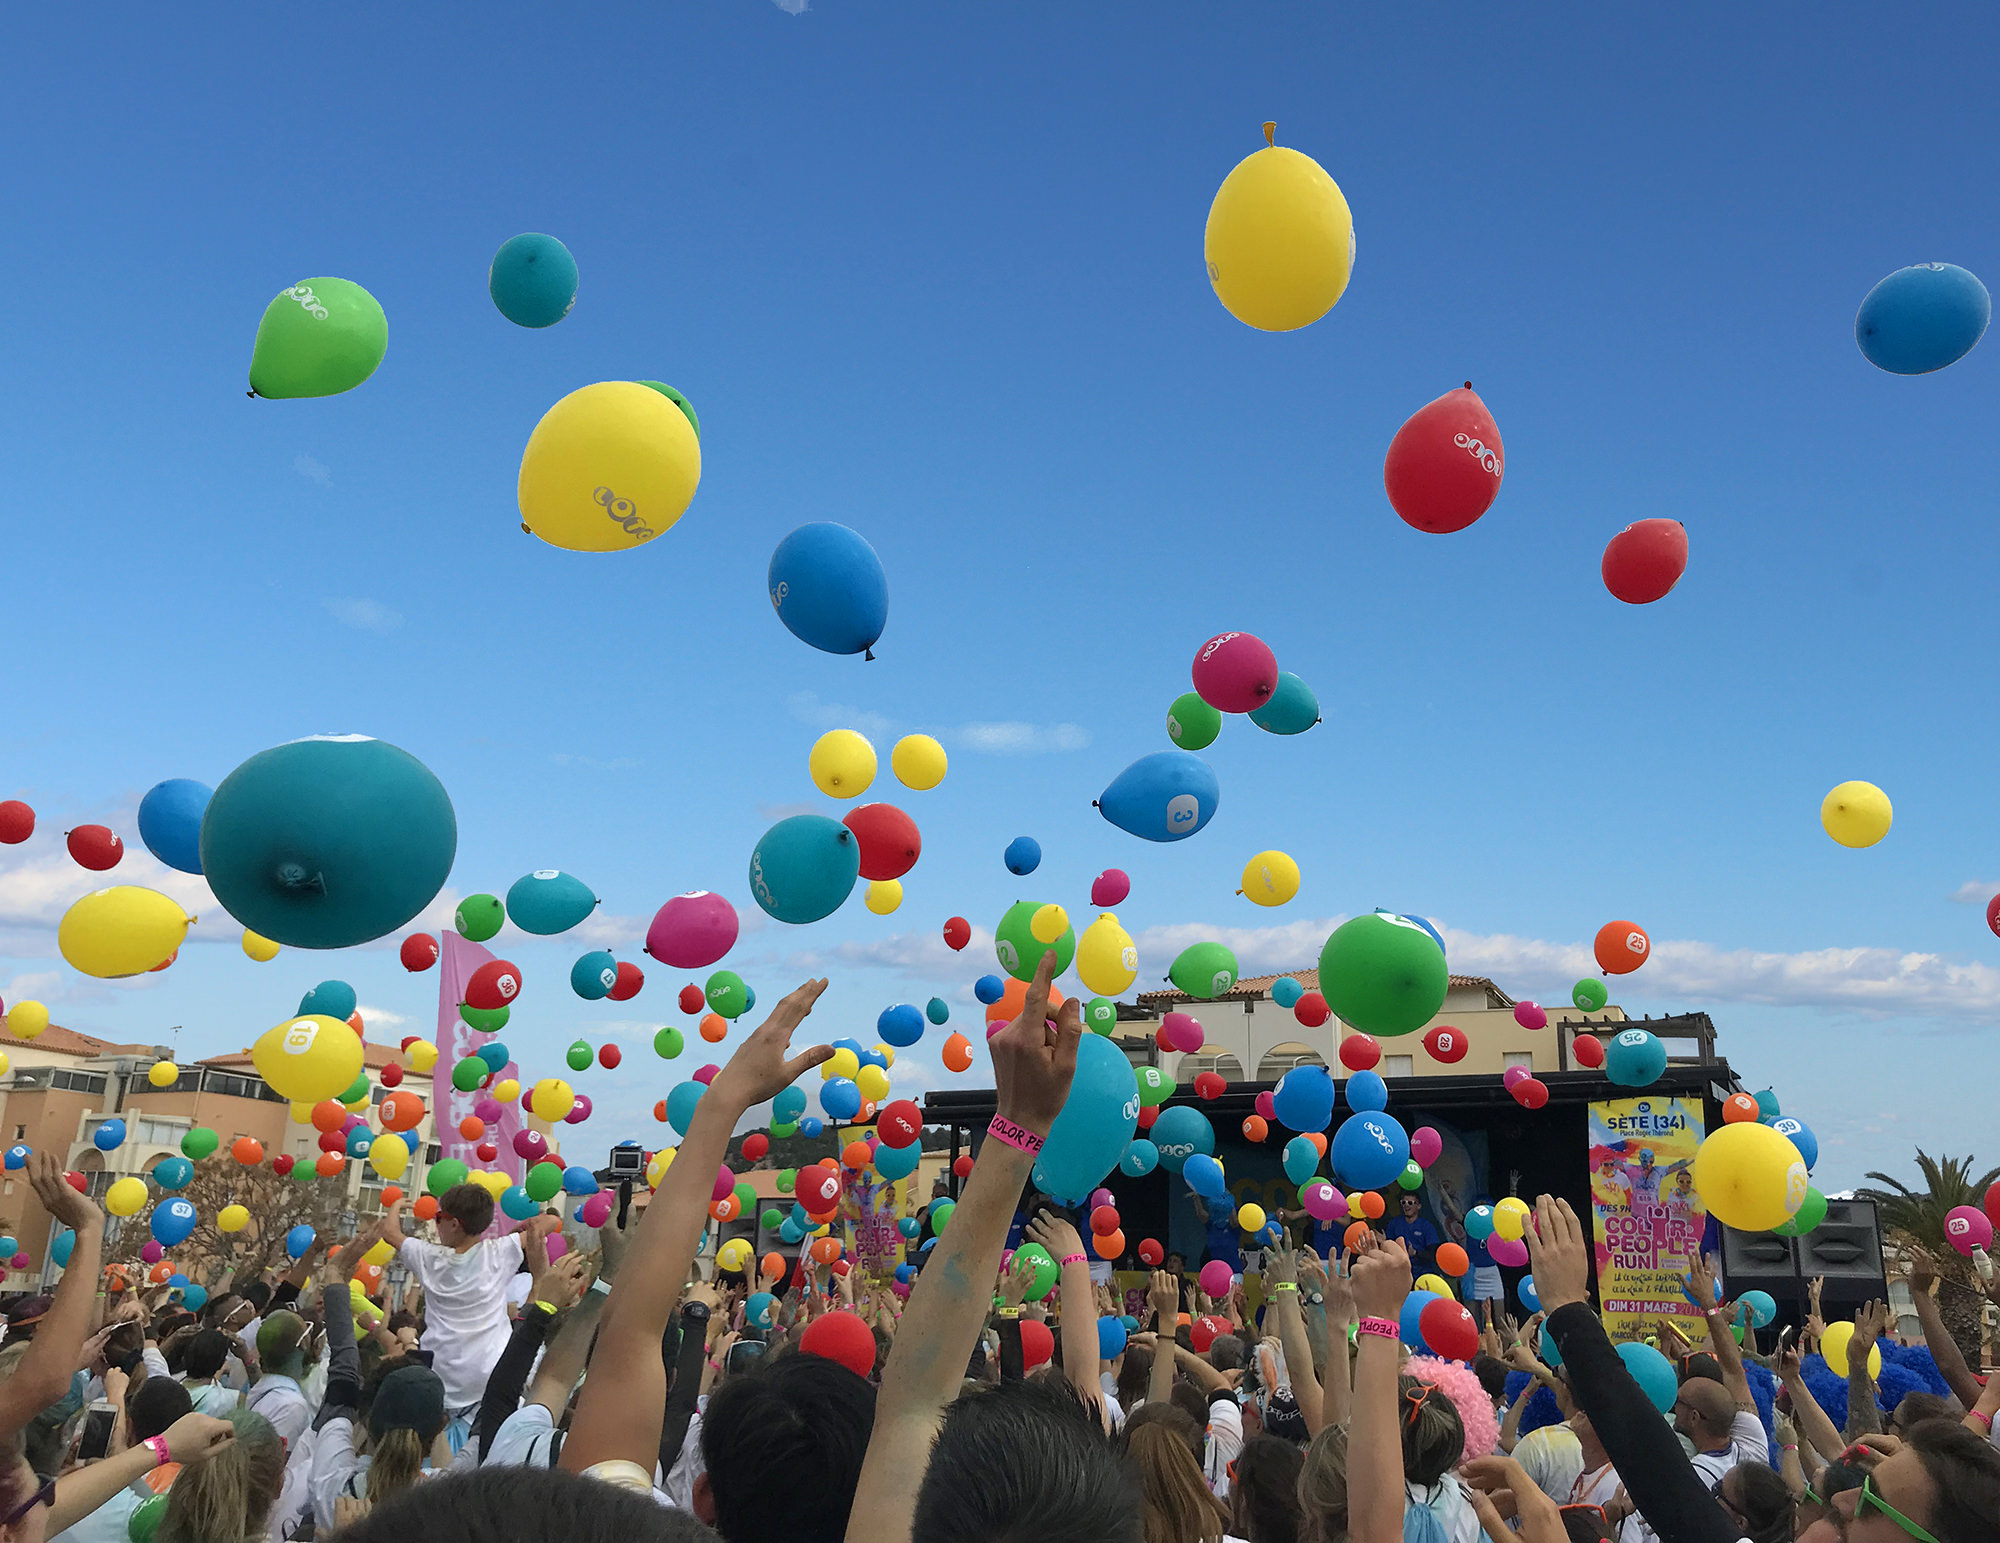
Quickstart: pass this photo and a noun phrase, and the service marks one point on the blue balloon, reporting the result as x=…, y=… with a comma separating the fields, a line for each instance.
x=18, y=1154
x=1096, y=1123
x=1204, y=1176
x=1166, y=796
x=1179, y=1133
x=898, y=1162
x=1301, y=1159
x=299, y=1239
x=194, y=1298
x=1801, y=1136
x=681, y=1099
x=907, y=1272
x=359, y=1141
x=61, y=1249
x=170, y=822
x=1110, y=1339
x=594, y=974
x=849, y=1043
x=109, y=1136
x=1292, y=708
x=1286, y=992
x=518, y=1204
x=804, y=868
x=788, y=1105
x=790, y=1231
x=1141, y=1158
x=328, y=842
x=1303, y=1099
x=329, y=999
x=989, y=989
x=1760, y=1307
x=900, y=1025
x=828, y=588
x=1635, y=1058
x=840, y=1098
x=1370, y=1150
x=810, y=1126
x=760, y=1309
x=532, y=280
x=1366, y=1090
x=495, y=1055
x=1653, y=1372
x=1412, y=1316
x=1023, y=855
x=168, y=1173
x=548, y=901
x=178, y=1281
x=172, y=1221
x=1530, y=1298
x=1922, y=318
x=938, y=1010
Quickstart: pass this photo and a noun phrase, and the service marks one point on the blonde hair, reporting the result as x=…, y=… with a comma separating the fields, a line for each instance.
x=1323, y=1488
x=1177, y=1504
x=228, y=1498
x=398, y=1463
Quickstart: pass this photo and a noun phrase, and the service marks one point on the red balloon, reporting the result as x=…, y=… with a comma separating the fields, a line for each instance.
x=1311, y=1010
x=332, y=1141
x=1150, y=1253
x=95, y=847
x=630, y=979
x=1444, y=466
x=1037, y=1344
x=494, y=984
x=1210, y=1085
x=1530, y=1092
x=1991, y=1204
x=1104, y=1220
x=963, y=1167
x=1148, y=1113
x=844, y=1338
x=1645, y=560
x=1360, y=1052
x=282, y=1164
x=17, y=822
x=888, y=839
x=693, y=998
x=818, y=1189
x=899, y=1123
x=392, y=1075
x=1445, y=1043
x=420, y=951
x=1588, y=1050
x=1235, y=672
x=1449, y=1329
x=756, y=1145
x=1993, y=915
x=486, y=1151
x=1204, y=1332
x=608, y=1057
x=1621, y=947
x=77, y=1182
x=957, y=933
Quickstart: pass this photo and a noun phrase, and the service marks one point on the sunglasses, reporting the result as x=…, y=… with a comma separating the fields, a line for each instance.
x=1416, y=1399
x=46, y=1495
x=1868, y=1501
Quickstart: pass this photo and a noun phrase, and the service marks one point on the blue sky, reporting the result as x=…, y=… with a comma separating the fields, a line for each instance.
x=937, y=273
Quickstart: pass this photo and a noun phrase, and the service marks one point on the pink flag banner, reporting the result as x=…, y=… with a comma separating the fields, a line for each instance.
x=457, y=1039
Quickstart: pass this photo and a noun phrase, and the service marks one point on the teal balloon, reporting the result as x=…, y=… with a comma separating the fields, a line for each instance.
x=789, y=1104
x=1301, y=1159
x=194, y=1298
x=804, y=868
x=938, y=1010
x=1096, y=1123
x=61, y=1249
x=170, y=824
x=329, y=999
x=1205, y=970
x=1179, y=1133
x=594, y=974
x=1292, y=708
x=1141, y=1158
x=518, y=1204
x=532, y=280
x=1020, y=951
x=1589, y=994
x=1286, y=992
x=1635, y=1058
x=760, y=1310
x=549, y=901
x=168, y=1173
x=1760, y=1307
x=1166, y=796
x=328, y=842
x=1191, y=723
x=359, y=1141
x=898, y=1162
x=495, y=1055
x=1653, y=1372
x=1767, y=1107
x=681, y=1099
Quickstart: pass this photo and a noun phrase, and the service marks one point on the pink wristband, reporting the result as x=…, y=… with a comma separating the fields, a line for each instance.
x=1386, y=1328
x=1004, y=1129
x=1072, y=1259
x=158, y=1446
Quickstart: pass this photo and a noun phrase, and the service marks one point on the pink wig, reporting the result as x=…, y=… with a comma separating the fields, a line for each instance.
x=1458, y=1383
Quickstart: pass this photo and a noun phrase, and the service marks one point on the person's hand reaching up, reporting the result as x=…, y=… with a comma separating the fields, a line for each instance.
x=1558, y=1255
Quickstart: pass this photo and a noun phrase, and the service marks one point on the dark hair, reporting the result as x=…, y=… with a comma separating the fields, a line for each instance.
x=1190, y=1400
x=257, y=1294
x=1965, y=1472
x=154, y=1405
x=1492, y=1375
x=124, y=1342
x=1699, y=1363
x=1762, y=1500
x=205, y=1353
x=1586, y=1524
x=1433, y=1434
x=1264, y=1494
x=1175, y=1418
x=522, y=1505
x=1920, y=1406
x=1177, y=1506
x=400, y=1320
x=470, y=1205
x=784, y=1445
x=1135, y=1373
x=1025, y=1462
x=1225, y=1352
x=216, y=1308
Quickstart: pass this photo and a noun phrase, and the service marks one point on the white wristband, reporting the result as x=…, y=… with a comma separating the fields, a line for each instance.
x=601, y=1286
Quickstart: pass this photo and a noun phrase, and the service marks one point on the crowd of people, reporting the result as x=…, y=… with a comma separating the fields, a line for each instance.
x=615, y=1394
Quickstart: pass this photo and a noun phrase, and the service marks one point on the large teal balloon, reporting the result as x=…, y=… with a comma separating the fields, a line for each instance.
x=1292, y=708
x=318, y=338
x=1191, y=723
x=329, y=999
x=1179, y=1133
x=549, y=901
x=328, y=842
x=898, y=1162
x=1166, y=796
x=1095, y=1125
x=1383, y=974
x=1017, y=948
x=681, y=1099
x=533, y=280
x=804, y=867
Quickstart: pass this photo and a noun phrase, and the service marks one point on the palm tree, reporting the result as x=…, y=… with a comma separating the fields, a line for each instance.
x=1917, y=1216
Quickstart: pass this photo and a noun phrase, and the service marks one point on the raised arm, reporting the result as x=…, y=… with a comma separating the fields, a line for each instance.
x=1718, y=1316
x=1375, y=1488
x=1166, y=1299
x=1812, y=1421
x=1281, y=1279
x=1943, y=1348
x=1079, y=1307
x=44, y=1373
x=1864, y=1414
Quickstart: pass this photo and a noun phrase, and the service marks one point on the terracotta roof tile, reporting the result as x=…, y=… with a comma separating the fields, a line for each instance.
x=1255, y=986
x=69, y=1042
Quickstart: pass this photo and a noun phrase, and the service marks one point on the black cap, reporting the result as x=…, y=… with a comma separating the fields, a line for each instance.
x=410, y=1398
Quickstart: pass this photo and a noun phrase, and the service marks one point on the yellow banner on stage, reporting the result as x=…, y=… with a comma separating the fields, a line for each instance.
x=1647, y=1219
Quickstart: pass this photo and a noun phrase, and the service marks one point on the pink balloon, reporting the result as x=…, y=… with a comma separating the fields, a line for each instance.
x=1512, y=1252
x=1183, y=1032
x=1325, y=1203
x=706, y=1074
x=488, y=1109
x=725, y=1183
x=20, y=1261
x=1968, y=1228
x=558, y=1245
x=1216, y=1278
x=1514, y=1074
x=529, y=1144
x=1100, y=1197
x=1530, y=1015
x=1266, y=1105
x=692, y=931
x=1110, y=887
x=1235, y=672
x=152, y=1252
x=1425, y=1145
x=578, y=1111
x=596, y=1210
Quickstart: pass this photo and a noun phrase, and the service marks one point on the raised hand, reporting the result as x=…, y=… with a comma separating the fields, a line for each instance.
x=1034, y=1057
x=1381, y=1277
x=1558, y=1255
x=1055, y=1235
x=1165, y=1295
x=1015, y=1280
x=759, y=1068
x=58, y=1197
x=1870, y=1324
x=1923, y=1271
x=562, y=1284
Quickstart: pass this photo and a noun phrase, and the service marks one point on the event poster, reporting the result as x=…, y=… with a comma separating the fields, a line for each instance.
x=870, y=1208
x=1648, y=1220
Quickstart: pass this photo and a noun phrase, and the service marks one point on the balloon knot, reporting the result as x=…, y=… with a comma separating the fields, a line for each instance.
x=1468, y=385
x=1270, y=134
x=868, y=655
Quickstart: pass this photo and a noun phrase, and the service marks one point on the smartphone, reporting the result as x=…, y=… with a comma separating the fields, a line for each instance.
x=96, y=1438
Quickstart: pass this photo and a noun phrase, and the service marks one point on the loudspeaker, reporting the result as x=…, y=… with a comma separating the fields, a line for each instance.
x=1845, y=1250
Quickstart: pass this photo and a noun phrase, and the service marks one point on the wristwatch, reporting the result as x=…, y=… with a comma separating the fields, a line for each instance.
x=1317, y=1298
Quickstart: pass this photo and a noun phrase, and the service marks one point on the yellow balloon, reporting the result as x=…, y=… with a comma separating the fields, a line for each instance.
x=423, y=1056
x=733, y=1255
x=884, y=895
x=1833, y=1344
x=126, y=1197
x=1048, y=923
x=3, y=1063
x=506, y=1090
x=1107, y=960
x=1509, y=1224
x=232, y=1218
x=164, y=1074
x=259, y=947
x=842, y=1063
x=123, y=930
x=886, y=1051
x=1438, y=1284
x=27, y=1019
x=657, y=1168
x=842, y=764
x=918, y=761
x=309, y=1058
x=1749, y=1176
x=1270, y=878
x=873, y=1082
x=302, y=1112
x=608, y=468
x=389, y=1159
x=1250, y=1216
x=1515, y=1204
x=381, y=1253
x=1856, y=814
x=554, y=1098
x=495, y=1184
x=1280, y=240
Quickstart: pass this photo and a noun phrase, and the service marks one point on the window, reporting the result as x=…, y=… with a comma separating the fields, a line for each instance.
x=1225, y=1066
x=20, y=1133
x=159, y=1132
x=233, y=1086
x=1521, y=1058
x=1399, y=1066
x=1280, y=1059
x=433, y=1152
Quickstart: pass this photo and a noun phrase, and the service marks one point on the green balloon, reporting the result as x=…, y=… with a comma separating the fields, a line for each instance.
x=727, y=994
x=444, y=1174
x=1019, y=952
x=544, y=1179
x=679, y=401
x=469, y=1073
x=579, y=1056
x=746, y=1193
x=358, y=1091
x=1045, y=1267
x=319, y=338
x=1205, y=970
x=145, y=1519
x=788, y=1179
x=479, y=917
x=940, y=1214
x=784, y=1129
x=771, y=1218
x=1100, y=1015
x=1412, y=1177
x=487, y=1020
x=305, y=1172
x=1383, y=975
x=1155, y=1086
x=1589, y=994
x=1811, y=1212
x=198, y=1143
x=668, y=1043
x=1192, y=723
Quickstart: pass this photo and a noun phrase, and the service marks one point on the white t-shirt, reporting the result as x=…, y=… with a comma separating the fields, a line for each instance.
x=523, y=1439
x=1225, y=1443
x=465, y=1310
x=212, y=1398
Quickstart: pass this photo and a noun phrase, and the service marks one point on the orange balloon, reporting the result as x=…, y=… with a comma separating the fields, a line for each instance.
x=660, y=1110
x=958, y=1053
x=329, y=1164
x=354, y=1021
x=856, y=1155
x=1452, y=1260
x=426, y=1207
x=773, y=1265
x=1356, y=1231
x=247, y=1150
x=402, y=1111
x=826, y=1250
x=867, y=1114
x=1014, y=998
x=328, y=1114
x=391, y=1194
x=1739, y=1107
x=1109, y=1245
x=1318, y=1139
x=713, y=1027
x=1183, y=1321
x=726, y=1209
x=829, y=1162
x=370, y=1276
x=1254, y=1128
x=472, y=1127
x=161, y=1273
x=1621, y=947
x=1371, y=1204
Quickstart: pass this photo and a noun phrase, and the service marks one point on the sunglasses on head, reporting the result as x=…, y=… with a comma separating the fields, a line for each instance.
x=1868, y=1501
x=1416, y=1398
x=46, y=1495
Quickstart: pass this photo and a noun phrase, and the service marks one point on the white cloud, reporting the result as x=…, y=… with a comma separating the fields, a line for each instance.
x=1021, y=738
x=364, y=615
x=777, y=812
x=1258, y=950
x=793, y=7
x=379, y=1020
x=922, y=956
x=312, y=470
x=810, y=710
x=1974, y=892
